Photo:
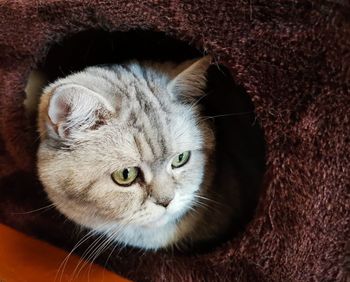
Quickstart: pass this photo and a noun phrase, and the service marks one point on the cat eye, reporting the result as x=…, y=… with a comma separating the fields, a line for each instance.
x=181, y=159
x=125, y=176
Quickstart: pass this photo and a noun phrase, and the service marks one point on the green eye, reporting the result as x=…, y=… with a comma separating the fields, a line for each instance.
x=125, y=176
x=181, y=159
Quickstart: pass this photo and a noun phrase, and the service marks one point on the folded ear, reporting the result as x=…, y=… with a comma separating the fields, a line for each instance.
x=191, y=79
x=74, y=108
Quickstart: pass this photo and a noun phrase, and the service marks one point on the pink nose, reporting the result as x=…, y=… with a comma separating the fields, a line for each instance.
x=163, y=202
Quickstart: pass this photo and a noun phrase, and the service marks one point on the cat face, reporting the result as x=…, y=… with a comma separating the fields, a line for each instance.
x=123, y=152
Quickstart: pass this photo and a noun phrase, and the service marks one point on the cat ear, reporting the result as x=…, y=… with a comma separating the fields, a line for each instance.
x=75, y=108
x=191, y=79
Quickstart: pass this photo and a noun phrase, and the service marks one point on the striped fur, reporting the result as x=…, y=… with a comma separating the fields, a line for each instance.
x=107, y=118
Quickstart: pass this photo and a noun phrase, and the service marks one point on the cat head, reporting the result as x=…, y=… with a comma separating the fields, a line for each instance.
x=123, y=149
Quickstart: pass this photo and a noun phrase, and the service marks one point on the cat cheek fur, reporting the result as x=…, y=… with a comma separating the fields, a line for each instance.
x=91, y=201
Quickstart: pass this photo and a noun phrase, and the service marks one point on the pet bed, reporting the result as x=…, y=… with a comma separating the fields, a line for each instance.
x=292, y=58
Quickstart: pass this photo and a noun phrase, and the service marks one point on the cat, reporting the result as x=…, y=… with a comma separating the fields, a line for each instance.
x=124, y=151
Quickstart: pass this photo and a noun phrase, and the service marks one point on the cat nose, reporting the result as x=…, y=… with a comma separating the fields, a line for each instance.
x=164, y=202
x=161, y=194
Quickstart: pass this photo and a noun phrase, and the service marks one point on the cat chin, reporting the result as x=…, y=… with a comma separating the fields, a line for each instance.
x=164, y=232
x=147, y=238
x=160, y=232
x=159, y=222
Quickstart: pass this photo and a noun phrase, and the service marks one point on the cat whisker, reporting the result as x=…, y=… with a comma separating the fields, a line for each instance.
x=226, y=115
x=45, y=208
x=104, y=246
x=212, y=201
x=113, y=239
x=114, y=236
x=62, y=266
x=122, y=245
x=112, y=251
x=87, y=252
x=205, y=206
x=79, y=243
x=109, y=241
x=194, y=210
x=96, y=249
x=91, y=235
x=206, y=199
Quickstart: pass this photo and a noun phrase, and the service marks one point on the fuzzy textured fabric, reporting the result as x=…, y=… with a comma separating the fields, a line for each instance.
x=293, y=60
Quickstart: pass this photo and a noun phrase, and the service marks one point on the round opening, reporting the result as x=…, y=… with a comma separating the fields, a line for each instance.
x=239, y=137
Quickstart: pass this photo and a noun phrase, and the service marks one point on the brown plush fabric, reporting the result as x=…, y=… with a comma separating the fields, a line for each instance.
x=292, y=58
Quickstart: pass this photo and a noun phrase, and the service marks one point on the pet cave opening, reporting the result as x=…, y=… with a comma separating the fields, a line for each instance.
x=239, y=136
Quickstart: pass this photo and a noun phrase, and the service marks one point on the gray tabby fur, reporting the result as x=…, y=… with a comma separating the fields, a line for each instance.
x=106, y=118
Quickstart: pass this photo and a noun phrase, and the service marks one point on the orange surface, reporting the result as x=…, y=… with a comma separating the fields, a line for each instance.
x=24, y=259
